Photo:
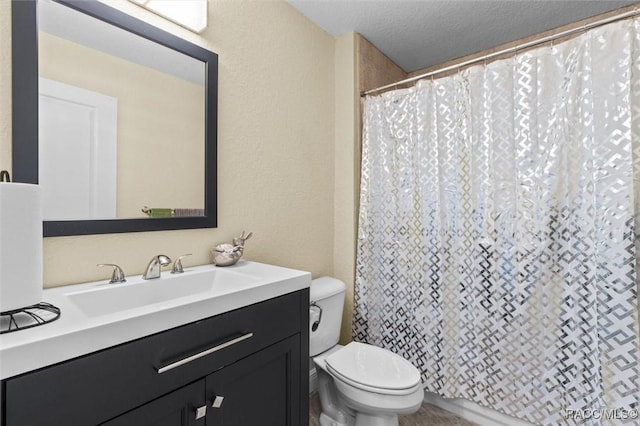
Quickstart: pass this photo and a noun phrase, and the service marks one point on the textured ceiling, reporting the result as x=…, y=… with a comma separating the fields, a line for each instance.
x=420, y=33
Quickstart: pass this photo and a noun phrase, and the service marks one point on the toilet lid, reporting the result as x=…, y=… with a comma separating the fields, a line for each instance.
x=373, y=367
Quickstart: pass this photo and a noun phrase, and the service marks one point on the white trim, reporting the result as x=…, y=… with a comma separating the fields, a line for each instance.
x=471, y=411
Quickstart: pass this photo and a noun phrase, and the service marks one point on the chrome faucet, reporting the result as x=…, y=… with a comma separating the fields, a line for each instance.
x=154, y=268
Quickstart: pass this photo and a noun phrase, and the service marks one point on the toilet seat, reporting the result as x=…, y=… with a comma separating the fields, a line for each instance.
x=373, y=369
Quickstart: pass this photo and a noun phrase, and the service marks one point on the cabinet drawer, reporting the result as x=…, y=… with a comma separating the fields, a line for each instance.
x=99, y=386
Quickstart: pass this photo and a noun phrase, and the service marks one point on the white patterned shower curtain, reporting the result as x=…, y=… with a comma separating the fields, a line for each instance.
x=498, y=235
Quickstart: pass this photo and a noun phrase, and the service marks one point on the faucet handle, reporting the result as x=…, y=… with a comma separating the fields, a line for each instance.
x=118, y=274
x=177, y=264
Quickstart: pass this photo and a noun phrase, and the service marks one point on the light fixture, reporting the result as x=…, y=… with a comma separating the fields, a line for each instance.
x=191, y=14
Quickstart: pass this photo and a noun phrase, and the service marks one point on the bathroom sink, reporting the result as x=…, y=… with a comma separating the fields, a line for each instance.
x=97, y=315
x=103, y=299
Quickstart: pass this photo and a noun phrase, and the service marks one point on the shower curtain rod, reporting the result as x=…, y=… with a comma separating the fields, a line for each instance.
x=528, y=44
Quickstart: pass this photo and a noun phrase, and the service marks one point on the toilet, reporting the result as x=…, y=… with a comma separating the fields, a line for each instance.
x=358, y=384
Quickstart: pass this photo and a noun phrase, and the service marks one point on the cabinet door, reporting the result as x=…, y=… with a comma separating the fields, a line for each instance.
x=178, y=408
x=260, y=390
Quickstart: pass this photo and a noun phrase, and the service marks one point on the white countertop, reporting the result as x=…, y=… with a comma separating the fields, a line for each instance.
x=79, y=332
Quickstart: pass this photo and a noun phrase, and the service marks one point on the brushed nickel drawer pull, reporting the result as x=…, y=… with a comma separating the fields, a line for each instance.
x=204, y=353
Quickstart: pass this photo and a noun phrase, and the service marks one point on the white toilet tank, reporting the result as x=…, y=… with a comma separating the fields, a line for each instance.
x=328, y=294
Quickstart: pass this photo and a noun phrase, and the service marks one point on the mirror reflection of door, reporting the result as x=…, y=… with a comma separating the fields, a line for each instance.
x=78, y=139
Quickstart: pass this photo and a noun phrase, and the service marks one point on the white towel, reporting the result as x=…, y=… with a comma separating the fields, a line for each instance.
x=20, y=246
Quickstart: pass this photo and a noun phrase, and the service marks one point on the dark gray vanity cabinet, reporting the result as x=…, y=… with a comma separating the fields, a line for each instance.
x=257, y=390
x=241, y=368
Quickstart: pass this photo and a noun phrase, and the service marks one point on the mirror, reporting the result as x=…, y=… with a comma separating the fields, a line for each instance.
x=126, y=115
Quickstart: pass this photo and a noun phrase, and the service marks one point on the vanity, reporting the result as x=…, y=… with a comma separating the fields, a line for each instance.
x=212, y=346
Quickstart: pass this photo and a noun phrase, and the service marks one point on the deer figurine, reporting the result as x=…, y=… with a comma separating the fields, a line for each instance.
x=229, y=254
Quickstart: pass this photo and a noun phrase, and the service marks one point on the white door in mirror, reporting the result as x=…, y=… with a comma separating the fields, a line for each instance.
x=77, y=145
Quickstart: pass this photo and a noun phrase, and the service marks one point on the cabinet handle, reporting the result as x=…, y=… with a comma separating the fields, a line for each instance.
x=217, y=402
x=204, y=353
x=201, y=412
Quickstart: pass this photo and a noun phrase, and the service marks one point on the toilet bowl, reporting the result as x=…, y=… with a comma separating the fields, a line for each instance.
x=359, y=384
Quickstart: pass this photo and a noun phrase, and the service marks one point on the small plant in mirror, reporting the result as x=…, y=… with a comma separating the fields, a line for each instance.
x=228, y=254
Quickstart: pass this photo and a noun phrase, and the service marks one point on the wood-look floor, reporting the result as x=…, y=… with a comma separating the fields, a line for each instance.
x=427, y=415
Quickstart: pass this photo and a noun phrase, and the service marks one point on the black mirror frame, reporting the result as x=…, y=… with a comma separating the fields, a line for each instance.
x=25, y=114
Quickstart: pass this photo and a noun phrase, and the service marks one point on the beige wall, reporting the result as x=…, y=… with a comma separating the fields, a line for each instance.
x=275, y=146
x=347, y=166
x=160, y=124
